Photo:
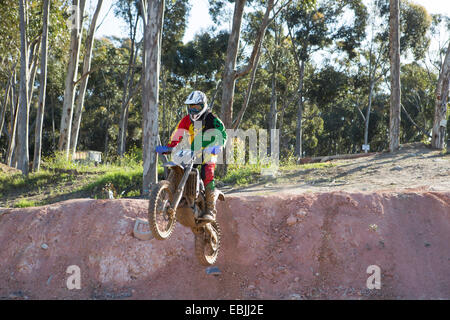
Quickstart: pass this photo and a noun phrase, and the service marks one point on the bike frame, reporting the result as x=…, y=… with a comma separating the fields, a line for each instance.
x=187, y=170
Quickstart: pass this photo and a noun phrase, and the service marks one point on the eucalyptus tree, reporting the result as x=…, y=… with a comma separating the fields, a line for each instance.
x=128, y=10
x=10, y=53
x=42, y=88
x=231, y=74
x=23, y=109
x=98, y=130
x=372, y=60
x=153, y=28
x=71, y=76
x=440, y=115
x=417, y=102
x=86, y=70
x=314, y=28
x=394, y=58
x=440, y=30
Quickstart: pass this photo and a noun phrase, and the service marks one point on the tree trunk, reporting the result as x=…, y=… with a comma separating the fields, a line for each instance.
x=228, y=82
x=83, y=85
x=42, y=90
x=12, y=140
x=301, y=75
x=13, y=121
x=440, y=113
x=150, y=96
x=273, y=100
x=126, y=95
x=298, y=129
x=34, y=57
x=273, y=105
x=367, y=118
x=106, y=141
x=395, y=101
x=230, y=74
x=72, y=70
x=53, y=127
x=5, y=105
x=23, y=108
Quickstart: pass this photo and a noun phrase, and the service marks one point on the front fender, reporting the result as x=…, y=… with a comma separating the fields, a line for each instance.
x=173, y=166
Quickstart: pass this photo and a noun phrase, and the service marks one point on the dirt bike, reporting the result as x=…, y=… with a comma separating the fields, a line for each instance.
x=182, y=198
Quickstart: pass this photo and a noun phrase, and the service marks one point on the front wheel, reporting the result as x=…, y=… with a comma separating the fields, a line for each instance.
x=207, y=244
x=161, y=217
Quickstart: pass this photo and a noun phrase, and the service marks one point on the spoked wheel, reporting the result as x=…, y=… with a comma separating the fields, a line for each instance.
x=207, y=244
x=160, y=218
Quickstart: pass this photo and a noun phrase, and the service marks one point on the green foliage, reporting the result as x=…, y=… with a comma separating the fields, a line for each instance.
x=24, y=203
x=318, y=28
x=120, y=180
x=416, y=22
x=58, y=161
x=418, y=100
x=242, y=175
x=132, y=158
x=335, y=94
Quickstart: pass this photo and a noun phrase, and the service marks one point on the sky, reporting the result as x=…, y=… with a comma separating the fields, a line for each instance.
x=199, y=17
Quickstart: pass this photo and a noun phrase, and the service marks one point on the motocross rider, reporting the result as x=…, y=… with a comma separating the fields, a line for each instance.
x=197, y=108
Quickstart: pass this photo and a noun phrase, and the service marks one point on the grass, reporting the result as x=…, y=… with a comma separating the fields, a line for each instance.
x=60, y=179
x=121, y=181
x=243, y=175
x=24, y=203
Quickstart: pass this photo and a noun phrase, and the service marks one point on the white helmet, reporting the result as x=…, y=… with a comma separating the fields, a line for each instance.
x=199, y=98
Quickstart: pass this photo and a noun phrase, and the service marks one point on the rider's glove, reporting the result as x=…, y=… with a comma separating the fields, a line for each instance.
x=213, y=150
x=163, y=149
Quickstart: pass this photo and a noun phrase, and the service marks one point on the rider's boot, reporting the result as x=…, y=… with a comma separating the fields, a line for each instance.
x=210, y=214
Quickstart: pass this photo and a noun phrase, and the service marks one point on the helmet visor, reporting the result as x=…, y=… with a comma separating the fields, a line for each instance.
x=193, y=111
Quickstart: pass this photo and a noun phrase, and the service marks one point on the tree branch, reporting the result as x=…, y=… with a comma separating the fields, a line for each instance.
x=236, y=123
x=97, y=68
x=415, y=124
x=262, y=30
x=361, y=113
x=279, y=10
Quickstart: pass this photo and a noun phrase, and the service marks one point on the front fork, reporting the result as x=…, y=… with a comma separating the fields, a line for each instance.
x=179, y=192
x=201, y=226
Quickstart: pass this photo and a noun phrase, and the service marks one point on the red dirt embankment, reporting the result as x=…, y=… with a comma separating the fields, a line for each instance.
x=303, y=246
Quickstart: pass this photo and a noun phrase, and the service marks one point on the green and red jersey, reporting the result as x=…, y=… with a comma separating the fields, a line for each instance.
x=208, y=121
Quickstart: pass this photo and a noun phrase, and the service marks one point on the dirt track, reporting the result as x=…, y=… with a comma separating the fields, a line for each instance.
x=413, y=166
x=284, y=246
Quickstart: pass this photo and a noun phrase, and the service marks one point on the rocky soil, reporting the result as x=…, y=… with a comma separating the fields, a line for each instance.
x=279, y=246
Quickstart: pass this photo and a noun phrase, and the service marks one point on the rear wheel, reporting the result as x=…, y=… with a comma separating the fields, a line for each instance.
x=160, y=218
x=207, y=244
